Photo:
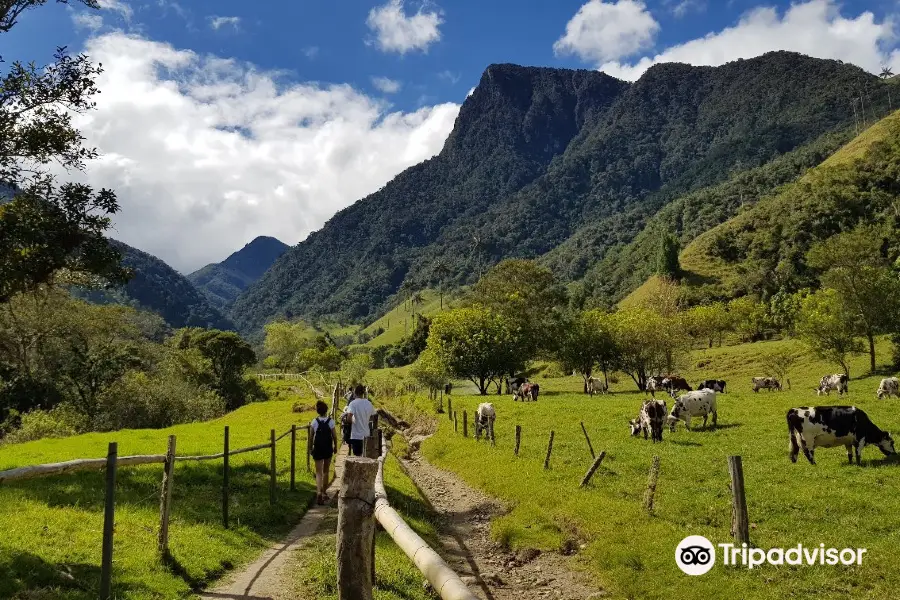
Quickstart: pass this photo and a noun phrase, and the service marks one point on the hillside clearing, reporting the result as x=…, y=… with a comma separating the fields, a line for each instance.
x=51, y=546
x=831, y=503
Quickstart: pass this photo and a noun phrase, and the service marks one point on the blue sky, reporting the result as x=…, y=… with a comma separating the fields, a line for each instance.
x=221, y=120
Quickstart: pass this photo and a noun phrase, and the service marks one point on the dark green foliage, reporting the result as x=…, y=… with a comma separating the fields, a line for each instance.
x=223, y=282
x=667, y=259
x=157, y=287
x=541, y=156
x=229, y=356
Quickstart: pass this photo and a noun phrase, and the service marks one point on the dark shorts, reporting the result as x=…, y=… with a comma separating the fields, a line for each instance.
x=356, y=446
x=347, y=431
x=323, y=455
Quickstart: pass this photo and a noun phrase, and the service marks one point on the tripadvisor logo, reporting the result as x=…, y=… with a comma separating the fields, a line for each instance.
x=696, y=555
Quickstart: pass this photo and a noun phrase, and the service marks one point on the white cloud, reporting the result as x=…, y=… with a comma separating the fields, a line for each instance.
x=605, y=31
x=206, y=153
x=450, y=77
x=219, y=22
x=683, y=7
x=86, y=20
x=311, y=52
x=815, y=27
x=397, y=32
x=387, y=86
x=119, y=6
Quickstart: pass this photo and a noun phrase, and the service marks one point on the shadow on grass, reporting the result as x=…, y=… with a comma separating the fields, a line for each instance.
x=710, y=427
x=26, y=575
x=686, y=443
x=196, y=499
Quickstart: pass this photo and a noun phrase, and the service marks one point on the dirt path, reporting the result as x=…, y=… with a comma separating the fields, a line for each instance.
x=491, y=572
x=270, y=576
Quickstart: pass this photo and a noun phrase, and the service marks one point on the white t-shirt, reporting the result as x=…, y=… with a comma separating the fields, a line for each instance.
x=362, y=411
x=314, y=426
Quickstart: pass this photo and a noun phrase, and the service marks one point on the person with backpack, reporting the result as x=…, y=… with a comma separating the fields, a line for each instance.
x=361, y=410
x=324, y=447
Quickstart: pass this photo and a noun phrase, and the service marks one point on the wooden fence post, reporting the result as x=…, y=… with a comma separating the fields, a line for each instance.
x=308, y=446
x=225, y=482
x=651, y=485
x=740, y=522
x=441, y=406
x=449, y=408
x=593, y=469
x=108, y=523
x=273, y=474
x=518, y=438
x=465, y=424
x=455, y=423
x=549, y=450
x=356, y=529
x=293, y=457
x=165, y=500
x=370, y=447
x=590, y=446
x=380, y=442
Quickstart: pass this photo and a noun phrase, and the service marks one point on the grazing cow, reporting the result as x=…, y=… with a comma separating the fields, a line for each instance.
x=716, y=385
x=448, y=387
x=765, y=383
x=832, y=426
x=597, y=385
x=650, y=420
x=701, y=403
x=527, y=391
x=653, y=384
x=837, y=382
x=513, y=384
x=888, y=387
x=675, y=384
x=484, y=420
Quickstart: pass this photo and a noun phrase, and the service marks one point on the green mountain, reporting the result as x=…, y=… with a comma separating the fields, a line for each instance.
x=221, y=283
x=762, y=249
x=565, y=165
x=160, y=289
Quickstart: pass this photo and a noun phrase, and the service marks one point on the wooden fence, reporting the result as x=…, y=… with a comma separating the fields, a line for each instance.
x=168, y=460
x=739, y=513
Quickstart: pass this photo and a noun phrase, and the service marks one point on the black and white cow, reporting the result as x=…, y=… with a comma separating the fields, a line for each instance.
x=832, y=426
x=653, y=384
x=716, y=385
x=513, y=384
x=650, y=420
x=888, y=387
x=595, y=385
x=700, y=403
x=765, y=383
x=527, y=391
x=674, y=384
x=484, y=421
x=838, y=382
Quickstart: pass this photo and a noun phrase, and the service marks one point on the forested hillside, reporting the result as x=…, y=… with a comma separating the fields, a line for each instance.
x=544, y=159
x=764, y=249
x=159, y=288
x=223, y=282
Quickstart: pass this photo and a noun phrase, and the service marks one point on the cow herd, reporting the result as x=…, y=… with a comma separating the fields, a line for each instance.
x=808, y=427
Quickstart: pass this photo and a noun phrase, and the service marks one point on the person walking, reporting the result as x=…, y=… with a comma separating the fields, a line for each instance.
x=324, y=447
x=361, y=410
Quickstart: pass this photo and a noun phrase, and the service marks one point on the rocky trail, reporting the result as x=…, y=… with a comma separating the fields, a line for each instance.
x=490, y=571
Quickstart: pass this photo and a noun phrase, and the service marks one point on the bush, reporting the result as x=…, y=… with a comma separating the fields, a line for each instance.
x=59, y=422
x=895, y=353
x=139, y=401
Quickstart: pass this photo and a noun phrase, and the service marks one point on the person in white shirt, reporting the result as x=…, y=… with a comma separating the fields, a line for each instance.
x=362, y=410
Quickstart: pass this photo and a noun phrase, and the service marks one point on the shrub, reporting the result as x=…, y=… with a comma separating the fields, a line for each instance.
x=59, y=422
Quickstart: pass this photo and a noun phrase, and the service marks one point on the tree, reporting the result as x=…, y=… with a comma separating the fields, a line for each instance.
x=285, y=340
x=475, y=343
x=430, y=371
x=415, y=343
x=354, y=369
x=886, y=72
x=778, y=363
x=229, y=356
x=667, y=264
x=588, y=342
x=643, y=343
x=529, y=298
x=707, y=323
x=784, y=309
x=854, y=266
x=749, y=318
x=828, y=329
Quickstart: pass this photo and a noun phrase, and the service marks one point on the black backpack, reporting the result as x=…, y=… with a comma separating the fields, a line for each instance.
x=322, y=440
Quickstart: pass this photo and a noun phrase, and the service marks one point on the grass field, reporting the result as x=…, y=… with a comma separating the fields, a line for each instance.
x=401, y=320
x=631, y=553
x=52, y=526
x=397, y=578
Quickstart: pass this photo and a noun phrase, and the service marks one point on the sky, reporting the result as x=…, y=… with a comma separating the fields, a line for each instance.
x=222, y=120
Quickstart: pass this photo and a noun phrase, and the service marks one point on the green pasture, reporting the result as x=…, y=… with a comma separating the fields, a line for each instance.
x=51, y=542
x=631, y=553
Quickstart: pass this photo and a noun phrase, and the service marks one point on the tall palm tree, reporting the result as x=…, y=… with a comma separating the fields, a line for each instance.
x=886, y=72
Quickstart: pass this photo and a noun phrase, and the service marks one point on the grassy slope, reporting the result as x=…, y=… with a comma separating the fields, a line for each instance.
x=698, y=260
x=52, y=525
x=393, y=321
x=397, y=578
x=831, y=503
